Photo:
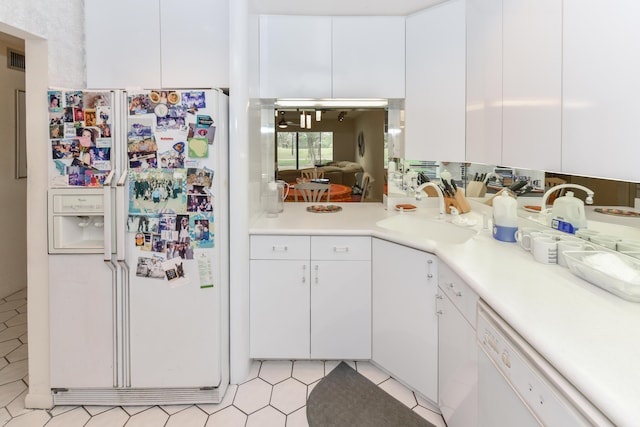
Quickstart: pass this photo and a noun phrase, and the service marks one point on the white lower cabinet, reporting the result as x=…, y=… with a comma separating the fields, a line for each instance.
x=310, y=297
x=457, y=350
x=405, y=325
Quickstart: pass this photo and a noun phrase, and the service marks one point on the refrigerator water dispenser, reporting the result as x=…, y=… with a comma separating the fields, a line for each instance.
x=76, y=221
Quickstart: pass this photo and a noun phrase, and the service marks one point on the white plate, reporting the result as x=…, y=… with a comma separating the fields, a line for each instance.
x=405, y=209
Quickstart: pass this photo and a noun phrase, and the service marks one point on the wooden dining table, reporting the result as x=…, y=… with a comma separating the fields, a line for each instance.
x=337, y=193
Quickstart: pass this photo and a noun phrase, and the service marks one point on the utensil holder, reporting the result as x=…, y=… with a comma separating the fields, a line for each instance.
x=476, y=189
x=462, y=201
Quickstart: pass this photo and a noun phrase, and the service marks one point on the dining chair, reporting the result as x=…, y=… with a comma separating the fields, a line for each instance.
x=311, y=191
x=312, y=173
x=366, y=185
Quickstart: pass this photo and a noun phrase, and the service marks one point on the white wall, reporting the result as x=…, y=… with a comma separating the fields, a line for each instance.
x=54, y=47
x=13, y=192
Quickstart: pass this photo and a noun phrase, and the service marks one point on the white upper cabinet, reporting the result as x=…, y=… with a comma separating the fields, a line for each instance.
x=325, y=57
x=295, y=56
x=435, y=77
x=484, y=81
x=157, y=43
x=122, y=43
x=532, y=84
x=368, y=57
x=601, y=86
x=195, y=43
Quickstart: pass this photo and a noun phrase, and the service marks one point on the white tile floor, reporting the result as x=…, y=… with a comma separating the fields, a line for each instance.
x=274, y=394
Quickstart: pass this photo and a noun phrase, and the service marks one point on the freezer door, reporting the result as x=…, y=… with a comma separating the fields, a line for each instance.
x=82, y=327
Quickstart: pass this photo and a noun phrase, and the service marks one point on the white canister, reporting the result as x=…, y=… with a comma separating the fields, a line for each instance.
x=505, y=218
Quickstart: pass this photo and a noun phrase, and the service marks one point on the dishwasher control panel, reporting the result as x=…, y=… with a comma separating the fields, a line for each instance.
x=541, y=388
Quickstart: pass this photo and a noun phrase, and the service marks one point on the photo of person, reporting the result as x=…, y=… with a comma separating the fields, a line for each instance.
x=96, y=99
x=154, y=189
x=200, y=204
x=150, y=268
x=183, y=228
x=88, y=136
x=139, y=104
x=202, y=177
x=202, y=235
x=64, y=148
x=55, y=101
x=90, y=117
x=74, y=99
x=194, y=100
x=78, y=115
x=67, y=115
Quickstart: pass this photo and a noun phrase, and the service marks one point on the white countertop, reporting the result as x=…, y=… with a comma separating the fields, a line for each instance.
x=589, y=335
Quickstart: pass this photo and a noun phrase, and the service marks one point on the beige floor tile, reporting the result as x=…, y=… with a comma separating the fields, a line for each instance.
x=190, y=417
x=252, y=396
x=18, y=319
x=8, y=392
x=32, y=419
x=432, y=417
x=372, y=372
x=20, y=353
x=78, y=417
x=308, y=371
x=13, y=332
x=172, y=409
x=289, y=395
x=114, y=417
x=228, y=417
x=268, y=416
x=274, y=371
x=151, y=417
x=14, y=371
x=20, y=295
x=298, y=418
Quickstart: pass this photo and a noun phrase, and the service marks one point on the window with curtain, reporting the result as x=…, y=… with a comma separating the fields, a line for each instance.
x=300, y=150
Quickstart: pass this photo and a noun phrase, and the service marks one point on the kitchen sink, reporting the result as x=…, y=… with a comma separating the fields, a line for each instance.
x=428, y=228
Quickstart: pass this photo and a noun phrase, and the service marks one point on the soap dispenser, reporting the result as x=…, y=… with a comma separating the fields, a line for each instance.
x=505, y=217
x=567, y=213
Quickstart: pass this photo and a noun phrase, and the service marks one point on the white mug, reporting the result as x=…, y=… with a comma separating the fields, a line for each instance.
x=523, y=237
x=545, y=249
x=571, y=245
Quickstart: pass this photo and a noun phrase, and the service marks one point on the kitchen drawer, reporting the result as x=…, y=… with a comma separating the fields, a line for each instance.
x=80, y=202
x=280, y=247
x=340, y=248
x=462, y=296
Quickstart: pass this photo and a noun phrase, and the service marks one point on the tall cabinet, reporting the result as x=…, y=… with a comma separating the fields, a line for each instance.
x=435, y=80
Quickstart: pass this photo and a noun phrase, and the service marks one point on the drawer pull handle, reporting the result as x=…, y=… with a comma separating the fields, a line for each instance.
x=279, y=248
x=304, y=275
x=430, y=276
x=450, y=285
x=343, y=249
x=458, y=293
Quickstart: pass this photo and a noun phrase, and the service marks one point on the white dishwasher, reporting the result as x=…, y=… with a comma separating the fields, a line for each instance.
x=517, y=387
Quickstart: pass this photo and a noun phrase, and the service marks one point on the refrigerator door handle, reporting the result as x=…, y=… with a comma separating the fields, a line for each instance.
x=108, y=216
x=121, y=216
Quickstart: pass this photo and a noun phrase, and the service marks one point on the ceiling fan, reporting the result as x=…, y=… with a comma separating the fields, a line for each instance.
x=283, y=123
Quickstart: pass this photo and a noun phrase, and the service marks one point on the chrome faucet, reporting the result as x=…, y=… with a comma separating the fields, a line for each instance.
x=440, y=195
x=588, y=200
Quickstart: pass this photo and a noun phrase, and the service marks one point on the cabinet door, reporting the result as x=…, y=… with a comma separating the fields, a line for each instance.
x=195, y=43
x=457, y=366
x=405, y=326
x=435, y=100
x=279, y=309
x=82, y=322
x=484, y=81
x=368, y=57
x=122, y=43
x=295, y=56
x=600, y=131
x=532, y=83
x=341, y=310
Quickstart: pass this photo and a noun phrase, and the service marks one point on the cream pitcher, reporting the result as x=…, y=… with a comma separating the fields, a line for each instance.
x=277, y=192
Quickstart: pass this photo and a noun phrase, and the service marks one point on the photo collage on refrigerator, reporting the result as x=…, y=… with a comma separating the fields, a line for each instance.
x=170, y=138
x=80, y=137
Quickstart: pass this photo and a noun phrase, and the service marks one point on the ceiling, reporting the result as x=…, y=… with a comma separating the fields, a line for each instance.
x=339, y=7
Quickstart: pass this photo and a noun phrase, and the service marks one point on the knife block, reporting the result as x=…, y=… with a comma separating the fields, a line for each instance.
x=476, y=189
x=459, y=202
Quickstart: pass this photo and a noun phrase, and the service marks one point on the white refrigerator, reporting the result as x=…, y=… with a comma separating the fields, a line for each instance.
x=138, y=246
